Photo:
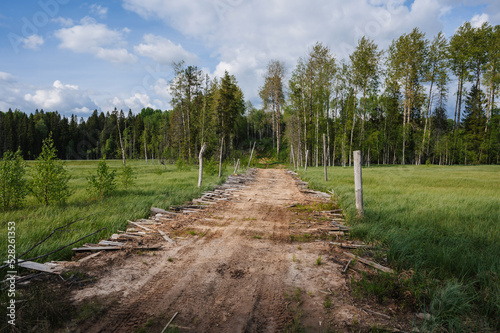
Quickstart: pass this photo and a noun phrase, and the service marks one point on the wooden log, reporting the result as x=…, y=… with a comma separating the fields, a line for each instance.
x=358, y=184
x=369, y=263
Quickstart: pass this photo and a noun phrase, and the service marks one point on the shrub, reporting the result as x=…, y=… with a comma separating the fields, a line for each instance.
x=103, y=183
x=12, y=182
x=181, y=165
x=127, y=176
x=49, y=183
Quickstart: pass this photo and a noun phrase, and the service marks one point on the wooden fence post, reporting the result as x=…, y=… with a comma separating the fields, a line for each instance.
x=358, y=184
x=200, y=173
x=324, y=156
x=220, y=157
x=251, y=154
x=307, y=155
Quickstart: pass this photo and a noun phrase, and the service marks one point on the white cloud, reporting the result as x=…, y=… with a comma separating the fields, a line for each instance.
x=162, y=89
x=478, y=20
x=245, y=35
x=97, y=39
x=65, y=22
x=163, y=50
x=99, y=10
x=6, y=77
x=33, y=42
x=61, y=97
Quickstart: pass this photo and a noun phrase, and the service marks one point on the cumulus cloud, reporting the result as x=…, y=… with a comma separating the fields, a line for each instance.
x=163, y=50
x=97, y=39
x=33, y=42
x=99, y=10
x=244, y=35
x=65, y=22
x=61, y=97
x=478, y=20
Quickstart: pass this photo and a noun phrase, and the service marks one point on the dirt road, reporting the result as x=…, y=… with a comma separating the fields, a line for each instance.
x=233, y=268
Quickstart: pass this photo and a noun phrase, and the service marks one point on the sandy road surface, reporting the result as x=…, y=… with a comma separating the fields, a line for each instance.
x=239, y=272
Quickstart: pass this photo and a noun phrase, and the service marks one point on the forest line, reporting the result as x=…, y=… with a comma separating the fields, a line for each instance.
x=391, y=104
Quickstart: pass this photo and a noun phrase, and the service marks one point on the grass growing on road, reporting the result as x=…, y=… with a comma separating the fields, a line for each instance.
x=443, y=222
x=155, y=185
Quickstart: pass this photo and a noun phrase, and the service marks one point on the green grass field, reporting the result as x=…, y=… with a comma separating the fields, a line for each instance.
x=442, y=222
x=155, y=185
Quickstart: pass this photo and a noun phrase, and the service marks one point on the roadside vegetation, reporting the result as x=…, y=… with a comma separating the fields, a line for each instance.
x=441, y=226
x=154, y=185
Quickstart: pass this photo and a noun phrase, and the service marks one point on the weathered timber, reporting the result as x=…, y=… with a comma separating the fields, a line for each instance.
x=115, y=248
x=369, y=263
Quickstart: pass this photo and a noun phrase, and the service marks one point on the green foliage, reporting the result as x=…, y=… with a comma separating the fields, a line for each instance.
x=127, y=176
x=102, y=184
x=211, y=167
x=13, y=186
x=440, y=222
x=170, y=189
x=49, y=182
x=181, y=165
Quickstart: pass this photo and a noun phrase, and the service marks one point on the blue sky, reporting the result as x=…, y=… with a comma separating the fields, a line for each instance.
x=75, y=57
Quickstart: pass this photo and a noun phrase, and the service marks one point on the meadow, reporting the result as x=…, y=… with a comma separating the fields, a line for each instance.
x=440, y=222
x=154, y=185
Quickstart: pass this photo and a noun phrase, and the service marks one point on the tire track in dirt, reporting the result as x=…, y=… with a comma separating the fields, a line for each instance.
x=238, y=277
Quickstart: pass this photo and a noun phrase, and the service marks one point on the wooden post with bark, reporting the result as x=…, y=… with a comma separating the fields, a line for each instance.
x=121, y=141
x=220, y=157
x=236, y=166
x=307, y=155
x=251, y=154
x=324, y=156
x=358, y=184
x=200, y=174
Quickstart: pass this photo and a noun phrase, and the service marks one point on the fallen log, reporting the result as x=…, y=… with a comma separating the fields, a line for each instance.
x=369, y=263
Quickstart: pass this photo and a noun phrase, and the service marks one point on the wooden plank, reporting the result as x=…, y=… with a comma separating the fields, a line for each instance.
x=110, y=243
x=115, y=248
x=97, y=248
x=369, y=263
x=140, y=226
x=93, y=255
x=39, y=267
x=168, y=239
x=351, y=246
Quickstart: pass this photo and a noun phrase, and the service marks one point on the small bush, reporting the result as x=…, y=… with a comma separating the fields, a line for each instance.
x=181, y=165
x=103, y=183
x=12, y=182
x=210, y=167
x=127, y=176
x=49, y=183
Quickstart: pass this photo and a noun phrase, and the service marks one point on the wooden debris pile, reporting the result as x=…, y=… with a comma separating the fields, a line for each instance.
x=143, y=234
x=337, y=227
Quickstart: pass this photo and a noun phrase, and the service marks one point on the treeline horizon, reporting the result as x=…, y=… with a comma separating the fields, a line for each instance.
x=390, y=104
